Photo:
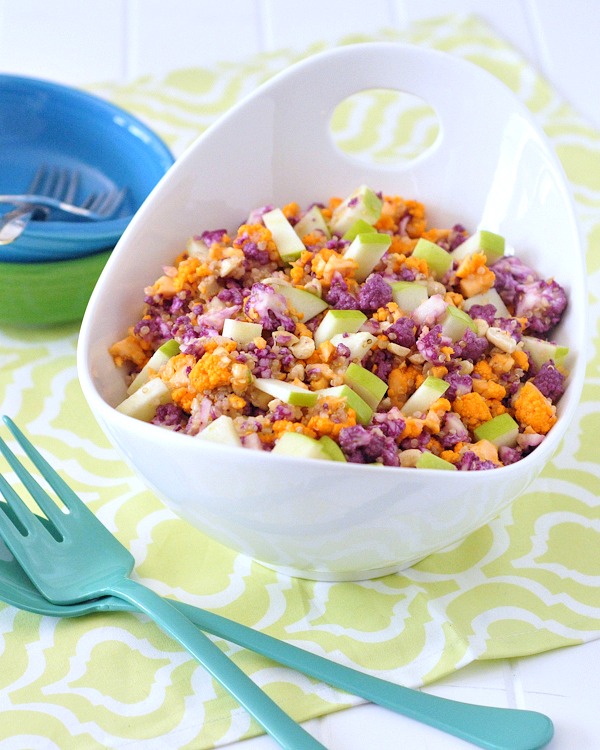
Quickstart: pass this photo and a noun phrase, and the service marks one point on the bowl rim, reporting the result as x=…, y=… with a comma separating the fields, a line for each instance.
x=101, y=231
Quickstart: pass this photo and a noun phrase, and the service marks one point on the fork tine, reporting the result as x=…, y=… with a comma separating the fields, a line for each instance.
x=38, y=180
x=16, y=515
x=72, y=185
x=45, y=502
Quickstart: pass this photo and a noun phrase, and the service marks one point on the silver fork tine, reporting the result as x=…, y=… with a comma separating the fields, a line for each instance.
x=38, y=180
x=72, y=185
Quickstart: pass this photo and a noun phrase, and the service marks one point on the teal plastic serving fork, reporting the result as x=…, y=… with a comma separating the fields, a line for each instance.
x=484, y=726
x=78, y=559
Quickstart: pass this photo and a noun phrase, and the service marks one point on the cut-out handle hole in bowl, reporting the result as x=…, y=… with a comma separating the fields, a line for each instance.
x=384, y=127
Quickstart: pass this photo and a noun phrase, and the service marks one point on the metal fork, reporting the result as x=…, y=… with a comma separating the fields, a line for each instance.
x=54, y=189
x=75, y=558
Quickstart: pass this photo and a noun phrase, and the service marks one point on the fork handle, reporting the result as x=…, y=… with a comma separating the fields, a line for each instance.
x=484, y=726
x=289, y=734
x=14, y=223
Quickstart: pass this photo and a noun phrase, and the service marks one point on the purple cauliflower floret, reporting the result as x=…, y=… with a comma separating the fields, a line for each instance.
x=431, y=343
x=485, y=312
x=459, y=384
x=452, y=431
x=171, y=416
x=381, y=362
x=254, y=255
x=214, y=319
x=512, y=326
x=282, y=411
x=374, y=293
x=509, y=455
x=269, y=308
x=338, y=295
x=470, y=461
x=233, y=295
x=511, y=273
x=402, y=332
x=550, y=381
x=212, y=235
x=471, y=346
x=365, y=446
x=391, y=423
x=542, y=303
x=154, y=330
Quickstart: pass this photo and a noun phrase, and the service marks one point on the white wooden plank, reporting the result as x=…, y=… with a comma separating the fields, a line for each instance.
x=189, y=33
x=64, y=40
x=295, y=25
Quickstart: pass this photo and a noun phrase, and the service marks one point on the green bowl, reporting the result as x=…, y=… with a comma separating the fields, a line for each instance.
x=50, y=293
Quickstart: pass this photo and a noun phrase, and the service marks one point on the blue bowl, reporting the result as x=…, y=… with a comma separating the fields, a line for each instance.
x=46, y=123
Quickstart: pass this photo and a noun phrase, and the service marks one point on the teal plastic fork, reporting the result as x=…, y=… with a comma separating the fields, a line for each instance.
x=79, y=559
x=484, y=726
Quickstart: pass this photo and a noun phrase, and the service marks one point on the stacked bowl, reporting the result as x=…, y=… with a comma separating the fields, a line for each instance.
x=47, y=274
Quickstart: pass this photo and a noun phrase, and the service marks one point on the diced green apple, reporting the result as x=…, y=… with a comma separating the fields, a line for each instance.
x=541, y=351
x=145, y=401
x=303, y=302
x=429, y=460
x=367, y=250
x=360, y=226
x=241, y=331
x=289, y=393
x=289, y=245
x=331, y=448
x=492, y=245
x=197, y=248
x=221, y=430
x=160, y=357
x=358, y=343
x=363, y=203
x=338, y=321
x=491, y=297
x=313, y=220
x=425, y=396
x=500, y=430
x=438, y=260
x=364, y=382
x=408, y=295
x=363, y=411
x=302, y=446
x=455, y=322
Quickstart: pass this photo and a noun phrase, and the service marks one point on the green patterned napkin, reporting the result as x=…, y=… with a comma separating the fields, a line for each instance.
x=527, y=582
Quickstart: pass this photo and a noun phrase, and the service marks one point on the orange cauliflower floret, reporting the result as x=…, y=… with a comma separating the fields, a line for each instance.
x=211, y=371
x=402, y=382
x=175, y=372
x=417, y=222
x=534, y=410
x=489, y=389
x=472, y=409
x=189, y=272
x=130, y=349
x=475, y=277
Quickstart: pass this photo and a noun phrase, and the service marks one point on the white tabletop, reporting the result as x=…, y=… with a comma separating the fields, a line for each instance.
x=118, y=40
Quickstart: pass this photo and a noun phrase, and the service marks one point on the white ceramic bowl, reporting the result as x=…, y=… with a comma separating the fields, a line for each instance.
x=489, y=166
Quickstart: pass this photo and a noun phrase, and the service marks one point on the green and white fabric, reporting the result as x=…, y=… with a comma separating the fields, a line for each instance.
x=527, y=582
